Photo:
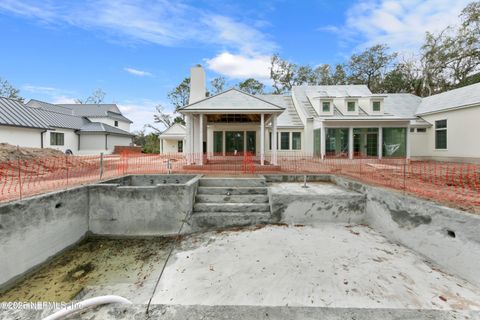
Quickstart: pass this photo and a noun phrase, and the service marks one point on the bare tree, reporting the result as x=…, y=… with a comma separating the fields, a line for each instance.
x=97, y=97
x=9, y=91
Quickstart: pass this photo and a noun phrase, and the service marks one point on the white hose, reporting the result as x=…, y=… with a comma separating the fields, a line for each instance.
x=86, y=304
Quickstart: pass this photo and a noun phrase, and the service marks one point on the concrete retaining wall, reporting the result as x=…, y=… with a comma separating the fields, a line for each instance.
x=446, y=236
x=141, y=210
x=37, y=228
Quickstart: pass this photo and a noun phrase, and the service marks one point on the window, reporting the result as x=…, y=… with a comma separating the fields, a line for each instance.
x=116, y=123
x=285, y=140
x=421, y=129
x=351, y=106
x=180, y=146
x=376, y=106
x=412, y=129
x=325, y=106
x=296, y=141
x=56, y=139
x=218, y=141
x=394, y=142
x=441, y=134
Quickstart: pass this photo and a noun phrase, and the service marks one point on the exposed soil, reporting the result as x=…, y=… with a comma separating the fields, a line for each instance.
x=10, y=152
x=94, y=262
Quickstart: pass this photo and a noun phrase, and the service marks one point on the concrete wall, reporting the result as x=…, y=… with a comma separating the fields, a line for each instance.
x=140, y=210
x=23, y=137
x=446, y=236
x=462, y=135
x=35, y=229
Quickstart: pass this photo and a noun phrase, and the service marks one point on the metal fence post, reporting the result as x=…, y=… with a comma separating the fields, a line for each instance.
x=101, y=165
x=20, y=177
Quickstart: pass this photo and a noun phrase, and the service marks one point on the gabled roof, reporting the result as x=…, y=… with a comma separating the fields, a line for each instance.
x=453, y=99
x=174, y=131
x=60, y=120
x=102, y=127
x=232, y=100
x=96, y=111
x=14, y=113
x=289, y=118
x=48, y=106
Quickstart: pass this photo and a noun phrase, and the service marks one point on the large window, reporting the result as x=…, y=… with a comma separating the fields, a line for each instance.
x=336, y=142
x=285, y=140
x=326, y=106
x=56, y=139
x=394, y=142
x=218, y=141
x=296, y=141
x=441, y=134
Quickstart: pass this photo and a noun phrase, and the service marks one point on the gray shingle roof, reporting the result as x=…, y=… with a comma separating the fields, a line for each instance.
x=230, y=100
x=465, y=96
x=14, y=113
x=289, y=118
x=102, y=127
x=60, y=120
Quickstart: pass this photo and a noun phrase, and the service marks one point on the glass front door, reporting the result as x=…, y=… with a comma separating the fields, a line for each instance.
x=234, y=142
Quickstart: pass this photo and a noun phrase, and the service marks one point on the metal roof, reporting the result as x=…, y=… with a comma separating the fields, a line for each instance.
x=461, y=97
x=288, y=118
x=14, y=113
x=60, y=120
x=102, y=127
x=96, y=111
x=232, y=100
x=48, y=106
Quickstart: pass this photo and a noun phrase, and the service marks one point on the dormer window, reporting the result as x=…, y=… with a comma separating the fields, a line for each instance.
x=376, y=106
x=351, y=106
x=325, y=106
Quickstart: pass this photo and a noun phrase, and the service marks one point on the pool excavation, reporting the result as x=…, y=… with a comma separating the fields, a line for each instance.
x=262, y=247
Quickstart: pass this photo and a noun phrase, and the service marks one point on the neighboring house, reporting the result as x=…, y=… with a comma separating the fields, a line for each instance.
x=44, y=125
x=340, y=121
x=172, y=139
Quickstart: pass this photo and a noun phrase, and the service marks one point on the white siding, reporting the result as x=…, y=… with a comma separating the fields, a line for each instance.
x=463, y=132
x=70, y=139
x=95, y=143
x=111, y=122
x=170, y=145
x=114, y=140
x=23, y=137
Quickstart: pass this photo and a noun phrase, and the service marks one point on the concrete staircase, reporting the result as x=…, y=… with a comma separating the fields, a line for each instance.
x=230, y=202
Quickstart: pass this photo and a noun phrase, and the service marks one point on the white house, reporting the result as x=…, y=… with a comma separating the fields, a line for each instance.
x=341, y=121
x=69, y=129
x=172, y=139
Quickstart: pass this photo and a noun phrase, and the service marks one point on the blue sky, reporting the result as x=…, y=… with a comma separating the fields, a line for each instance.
x=137, y=51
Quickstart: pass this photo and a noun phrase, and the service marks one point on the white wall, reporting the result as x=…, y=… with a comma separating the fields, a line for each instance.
x=418, y=143
x=70, y=139
x=114, y=140
x=92, y=144
x=170, y=145
x=23, y=137
x=123, y=125
x=463, y=135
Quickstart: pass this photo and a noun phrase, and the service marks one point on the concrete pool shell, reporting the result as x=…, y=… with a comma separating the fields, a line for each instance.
x=336, y=249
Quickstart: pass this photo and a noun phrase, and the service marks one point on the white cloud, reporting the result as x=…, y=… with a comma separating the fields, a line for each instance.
x=401, y=24
x=141, y=113
x=137, y=72
x=238, y=66
x=40, y=89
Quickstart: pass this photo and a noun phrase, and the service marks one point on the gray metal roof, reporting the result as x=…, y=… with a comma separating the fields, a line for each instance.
x=60, y=120
x=96, y=111
x=465, y=96
x=48, y=106
x=231, y=100
x=102, y=127
x=14, y=113
x=288, y=118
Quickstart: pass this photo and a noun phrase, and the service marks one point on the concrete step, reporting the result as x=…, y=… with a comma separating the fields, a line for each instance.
x=244, y=198
x=232, y=191
x=232, y=182
x=231, y=207
x=218, y=220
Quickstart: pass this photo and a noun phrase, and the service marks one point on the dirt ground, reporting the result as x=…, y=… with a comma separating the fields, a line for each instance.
x=10, y=152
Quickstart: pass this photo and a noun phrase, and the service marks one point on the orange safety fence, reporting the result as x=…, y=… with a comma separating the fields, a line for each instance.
x=456, y=184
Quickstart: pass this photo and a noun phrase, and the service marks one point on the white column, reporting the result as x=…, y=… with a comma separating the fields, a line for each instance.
x=323, y=139
x=274, y=139
x=407, y=147
x=350, y=143
x=200, y=138
x=380, y=142
x=262, y=139
x=188, y=138
x=161, y=146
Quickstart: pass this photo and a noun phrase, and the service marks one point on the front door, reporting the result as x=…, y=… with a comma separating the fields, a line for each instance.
x=234, y=142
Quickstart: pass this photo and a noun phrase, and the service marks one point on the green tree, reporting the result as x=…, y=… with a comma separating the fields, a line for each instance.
x=179, y=95
x=339, y=76
x=97, y=97
x=282, y=74
x=370, y=66
x=9, y=91
x=152, y=143
x=323, y=75
x=304, y=75
x=218, y=85
x=252, y=86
